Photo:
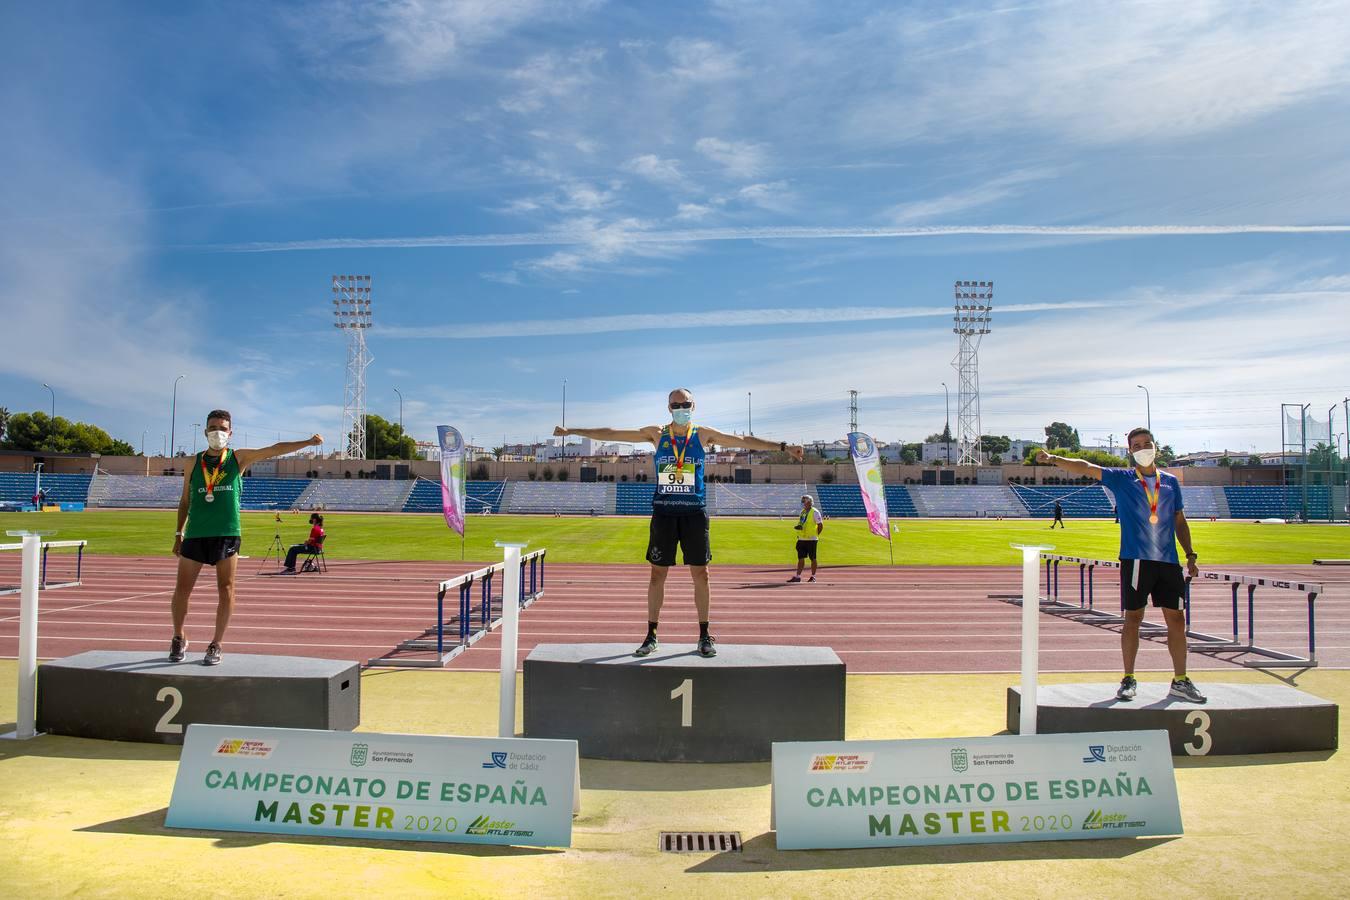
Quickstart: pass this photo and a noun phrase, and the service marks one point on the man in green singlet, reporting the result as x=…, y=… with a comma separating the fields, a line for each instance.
x=209, y=508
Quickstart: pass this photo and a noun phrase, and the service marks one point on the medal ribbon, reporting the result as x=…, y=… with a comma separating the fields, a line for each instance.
x=677, y=449
x=1151, y=496
x=214, y=478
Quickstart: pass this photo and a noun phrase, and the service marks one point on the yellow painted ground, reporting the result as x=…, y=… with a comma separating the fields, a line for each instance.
x=86, y=817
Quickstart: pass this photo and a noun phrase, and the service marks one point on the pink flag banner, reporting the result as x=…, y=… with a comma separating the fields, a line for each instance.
x=867, y=461
x=452, y=476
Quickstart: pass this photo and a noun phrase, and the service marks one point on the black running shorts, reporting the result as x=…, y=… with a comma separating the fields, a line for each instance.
x=689, y=532
x=209, y=550
x=1140, y=578
x=807, y=550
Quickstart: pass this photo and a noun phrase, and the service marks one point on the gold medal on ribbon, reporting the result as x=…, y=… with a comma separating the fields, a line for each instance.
x=1152, y=496
x=211, y=478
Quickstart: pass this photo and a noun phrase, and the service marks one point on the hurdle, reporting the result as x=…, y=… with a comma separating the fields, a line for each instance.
x=43, y=583
x=468, y=622
x=1200, y=642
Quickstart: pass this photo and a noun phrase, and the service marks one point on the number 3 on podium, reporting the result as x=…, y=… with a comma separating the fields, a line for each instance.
x=685, y=693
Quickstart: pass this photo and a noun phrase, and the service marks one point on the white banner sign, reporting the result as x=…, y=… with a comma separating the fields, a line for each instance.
x=400, y=787
x=1051, y=787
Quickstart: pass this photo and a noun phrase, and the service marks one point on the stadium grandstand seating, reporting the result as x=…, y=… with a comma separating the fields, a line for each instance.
x=575, y=498
x=959, y=500
x=355, y=494
x=272, y=493
x=634, y=498
x=1205, y=500
x=1276, y=502
x=1080, y=501
x=899, y=503
x=136, y=491
x=19, y=487
x=756, y=499
x=840, y=500
x=478, y=495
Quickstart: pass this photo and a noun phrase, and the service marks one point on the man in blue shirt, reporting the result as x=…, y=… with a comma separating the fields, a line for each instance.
x=1149, y=509
x=679, y=507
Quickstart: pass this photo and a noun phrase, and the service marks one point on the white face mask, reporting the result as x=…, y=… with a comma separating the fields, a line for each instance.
x=1145, y=456
x=217, y=440
x=682, y=416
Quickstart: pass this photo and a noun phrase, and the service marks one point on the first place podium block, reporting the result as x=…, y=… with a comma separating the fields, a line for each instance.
x=133, y=696
x=676, y=706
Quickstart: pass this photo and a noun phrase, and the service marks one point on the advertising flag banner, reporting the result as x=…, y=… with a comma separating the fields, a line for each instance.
x=452, y=476
x=867, y=461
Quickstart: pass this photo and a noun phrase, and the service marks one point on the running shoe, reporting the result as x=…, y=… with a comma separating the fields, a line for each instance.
x=795, y=579
x=1127, y=688
x=212, y=657
x=648, y=646
x=811, y=580
x=705, y=646
x=1185, y=689
x=177, y=649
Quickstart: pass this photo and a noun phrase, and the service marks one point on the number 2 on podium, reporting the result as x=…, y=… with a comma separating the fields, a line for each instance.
x=685, y=692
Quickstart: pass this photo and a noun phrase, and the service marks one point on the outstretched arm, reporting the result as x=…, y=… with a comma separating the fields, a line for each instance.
x=748, y=442
x=651, y=434
x=249, y=457
x=1070, y=465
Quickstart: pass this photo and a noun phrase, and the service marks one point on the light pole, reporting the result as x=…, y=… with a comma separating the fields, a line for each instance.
x=564, y=419
x=196, y=426
x=49, y=387
x=400, y=420
x=947, y=426
x=1148, y=408
x=173, y=413
x=142, y=443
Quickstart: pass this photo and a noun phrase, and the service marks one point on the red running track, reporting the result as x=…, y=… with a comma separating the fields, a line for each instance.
x=879, y=620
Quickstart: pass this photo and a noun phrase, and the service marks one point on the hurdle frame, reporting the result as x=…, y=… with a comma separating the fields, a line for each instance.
x=1200, y=642
x=449, y=638
x=43, y=583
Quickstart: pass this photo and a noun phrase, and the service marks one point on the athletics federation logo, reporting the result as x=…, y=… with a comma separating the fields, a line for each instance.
x=1098, y=752
x=360, y=753
x=498, y=761
x=960, y=760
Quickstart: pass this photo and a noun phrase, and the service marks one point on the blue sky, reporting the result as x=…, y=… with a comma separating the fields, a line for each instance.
x=762, y=197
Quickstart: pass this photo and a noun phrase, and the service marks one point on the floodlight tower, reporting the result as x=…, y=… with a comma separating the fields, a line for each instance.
x=852, y=411
x=351, y=313
x=974, y=303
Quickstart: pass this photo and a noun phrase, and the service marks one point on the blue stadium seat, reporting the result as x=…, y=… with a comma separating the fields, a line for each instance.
x=1079, y=501
x=19, y=487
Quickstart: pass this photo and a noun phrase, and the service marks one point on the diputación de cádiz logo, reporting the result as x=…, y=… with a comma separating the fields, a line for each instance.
x=360, y=753
x=1097, y=753
x=498, y=761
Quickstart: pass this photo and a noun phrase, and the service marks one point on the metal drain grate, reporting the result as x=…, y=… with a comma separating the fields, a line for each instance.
x=700, y=842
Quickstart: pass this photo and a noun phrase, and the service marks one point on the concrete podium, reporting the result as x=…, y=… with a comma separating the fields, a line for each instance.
x=1238, y=719
x=137, y=696
x=676, y=706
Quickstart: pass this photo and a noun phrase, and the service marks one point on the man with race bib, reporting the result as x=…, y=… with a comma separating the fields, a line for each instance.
x=679, y=506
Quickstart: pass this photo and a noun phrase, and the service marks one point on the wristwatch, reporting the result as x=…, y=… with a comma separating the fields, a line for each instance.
x=1192, y=556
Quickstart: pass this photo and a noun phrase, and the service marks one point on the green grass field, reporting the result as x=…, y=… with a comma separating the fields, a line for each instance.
x=959, y=542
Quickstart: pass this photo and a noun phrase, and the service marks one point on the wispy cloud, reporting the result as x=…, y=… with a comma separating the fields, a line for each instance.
x=973, y=197
x=701, y=60
x=652, y=167
x=718, y=318
x=758, y=233
x=741, y=159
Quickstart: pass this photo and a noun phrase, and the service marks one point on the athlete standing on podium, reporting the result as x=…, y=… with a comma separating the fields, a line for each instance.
x=209, y=507
x=679, y=507
x=1149, y=508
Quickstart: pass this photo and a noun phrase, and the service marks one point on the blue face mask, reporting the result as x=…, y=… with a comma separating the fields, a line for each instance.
x=682, y=416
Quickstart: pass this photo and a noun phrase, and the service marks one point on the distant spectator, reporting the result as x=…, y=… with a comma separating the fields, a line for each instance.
x=314, y=544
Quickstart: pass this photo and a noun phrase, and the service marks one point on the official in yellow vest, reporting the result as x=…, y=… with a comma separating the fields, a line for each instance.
x=810, y=523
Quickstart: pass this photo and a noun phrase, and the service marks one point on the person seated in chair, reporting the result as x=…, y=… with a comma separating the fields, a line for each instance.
x=314, y=544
